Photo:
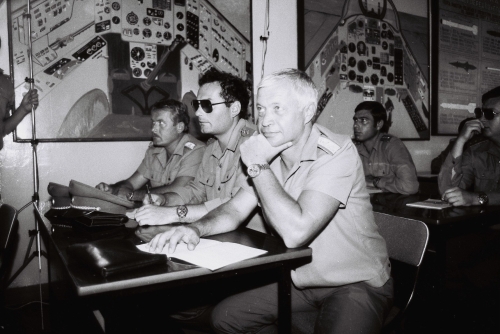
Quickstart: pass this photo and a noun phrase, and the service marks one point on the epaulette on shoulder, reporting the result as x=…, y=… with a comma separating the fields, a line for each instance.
x=247, y=131
x=210, y=140
x=190, y=145
x=386, y=138
x=327, y=145
x=476, y=140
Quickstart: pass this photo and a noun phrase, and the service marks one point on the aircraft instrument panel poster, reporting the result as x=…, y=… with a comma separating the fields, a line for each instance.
x=469, y=58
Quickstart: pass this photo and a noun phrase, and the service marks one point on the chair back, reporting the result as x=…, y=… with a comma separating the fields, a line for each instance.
x=8, y=216
x=8, y=219
x=406, y=241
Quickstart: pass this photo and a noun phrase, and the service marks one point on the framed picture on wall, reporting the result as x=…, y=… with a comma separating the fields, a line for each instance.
x=467, y=59
x=377, y=50
x=99, y=65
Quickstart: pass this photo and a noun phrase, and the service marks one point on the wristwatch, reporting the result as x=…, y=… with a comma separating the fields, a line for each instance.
x=182, y=211
x=130, y=196
x=255, y=169
x=482, y=198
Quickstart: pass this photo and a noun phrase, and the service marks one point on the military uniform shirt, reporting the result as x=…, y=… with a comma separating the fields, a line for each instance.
x=162, y=170
x=215, y=182
x=476, y=170
x=349, y=248
x=392, y=163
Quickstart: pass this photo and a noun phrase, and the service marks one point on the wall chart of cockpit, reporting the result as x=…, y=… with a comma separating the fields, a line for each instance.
x=375, y=50
x=99, y=65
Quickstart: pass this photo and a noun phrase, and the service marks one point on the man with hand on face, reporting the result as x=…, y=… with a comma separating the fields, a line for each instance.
x=313, y=194
x=221, y=108
x=171, y=160
x=386, y=161
x=471, y=176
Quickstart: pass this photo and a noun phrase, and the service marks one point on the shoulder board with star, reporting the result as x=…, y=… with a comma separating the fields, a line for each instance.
x=247, y=132
x=327, y=145
x=386, y=138
x=189, y=145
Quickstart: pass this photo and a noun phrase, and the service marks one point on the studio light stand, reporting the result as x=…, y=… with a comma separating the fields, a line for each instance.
x=34, y=234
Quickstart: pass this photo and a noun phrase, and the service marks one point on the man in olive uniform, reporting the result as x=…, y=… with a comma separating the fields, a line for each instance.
x=471, y=175
x=171, y=160
x=221, y=108
x=386, y=161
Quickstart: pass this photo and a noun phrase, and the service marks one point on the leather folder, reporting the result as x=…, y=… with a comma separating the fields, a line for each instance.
x=113, y=256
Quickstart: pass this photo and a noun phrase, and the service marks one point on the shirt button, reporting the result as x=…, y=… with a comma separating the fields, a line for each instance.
x=218, y=189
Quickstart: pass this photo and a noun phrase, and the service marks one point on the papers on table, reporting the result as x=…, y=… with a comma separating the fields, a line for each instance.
x=430, y=203
x=373, y=190
x=211, y=254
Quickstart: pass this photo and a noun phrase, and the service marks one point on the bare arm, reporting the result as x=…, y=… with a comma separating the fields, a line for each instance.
x=9, y=124
x=159, y=215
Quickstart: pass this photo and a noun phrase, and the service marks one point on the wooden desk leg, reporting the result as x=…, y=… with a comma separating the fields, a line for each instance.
x=284, y=301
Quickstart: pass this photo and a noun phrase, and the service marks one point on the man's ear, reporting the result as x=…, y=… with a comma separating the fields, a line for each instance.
x=235, y=108
x=310, y=112
x=180, y=127
x=380, y=125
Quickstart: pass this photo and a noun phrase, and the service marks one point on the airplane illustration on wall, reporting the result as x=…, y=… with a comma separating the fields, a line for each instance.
x=466, y=66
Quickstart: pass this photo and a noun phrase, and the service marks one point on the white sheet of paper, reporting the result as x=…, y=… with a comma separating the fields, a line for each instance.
x=211, y=254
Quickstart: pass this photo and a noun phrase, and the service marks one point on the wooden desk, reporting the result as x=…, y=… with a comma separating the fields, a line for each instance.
x=70, y=282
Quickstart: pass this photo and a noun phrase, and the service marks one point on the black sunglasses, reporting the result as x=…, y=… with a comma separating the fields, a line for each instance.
x=206, y=105
x=489, y=114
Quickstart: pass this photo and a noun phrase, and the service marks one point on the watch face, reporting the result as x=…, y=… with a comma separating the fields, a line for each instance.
x=182, y=211
x=253, y=170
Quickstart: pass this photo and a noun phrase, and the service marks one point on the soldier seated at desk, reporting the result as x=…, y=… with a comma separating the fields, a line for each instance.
x=171, y=160
x=470, y=174
x=310, y=185
x=387, y=164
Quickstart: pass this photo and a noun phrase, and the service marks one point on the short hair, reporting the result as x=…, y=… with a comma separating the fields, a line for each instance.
x=302, y=85
x=376, y=109
x=232, y=88
x=494, y=93
x=178, y=111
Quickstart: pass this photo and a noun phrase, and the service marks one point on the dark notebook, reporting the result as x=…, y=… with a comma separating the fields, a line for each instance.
x=114, y=256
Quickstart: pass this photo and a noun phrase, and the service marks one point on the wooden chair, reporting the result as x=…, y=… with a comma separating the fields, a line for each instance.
x=406, y=241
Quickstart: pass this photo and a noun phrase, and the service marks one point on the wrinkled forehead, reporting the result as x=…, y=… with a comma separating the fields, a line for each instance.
x=6, y=88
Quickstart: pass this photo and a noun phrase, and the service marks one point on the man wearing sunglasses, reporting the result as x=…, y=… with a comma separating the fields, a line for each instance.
x=172, y=159
x=471, y=175
x=311, y=187
x=221, y=108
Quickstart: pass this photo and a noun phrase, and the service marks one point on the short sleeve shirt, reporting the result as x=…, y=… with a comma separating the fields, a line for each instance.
x=220, y=172
x=390, y=160
x=162, y=169
x=349, y=249
x=477, y=169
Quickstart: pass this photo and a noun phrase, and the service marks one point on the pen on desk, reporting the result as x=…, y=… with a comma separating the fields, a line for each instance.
x=149, y=194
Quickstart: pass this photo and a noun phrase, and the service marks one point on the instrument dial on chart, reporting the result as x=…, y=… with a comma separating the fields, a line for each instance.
x=137, y=54
x=132, y=18
x=352, y=47
x=146, y=33
x=115, y=5
x=167, y=35
x=352, y=61
x=147, y=72
x=362, y=66
x=151, y=64
x=137, y=72
x=374, y=79
x=115, y=20
x=147, y=21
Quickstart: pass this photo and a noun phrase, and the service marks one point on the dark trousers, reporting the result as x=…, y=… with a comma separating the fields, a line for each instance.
x=352, y=308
